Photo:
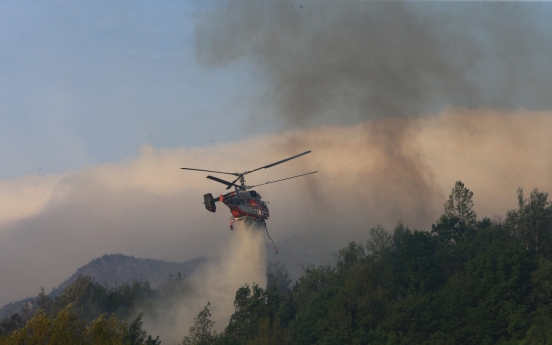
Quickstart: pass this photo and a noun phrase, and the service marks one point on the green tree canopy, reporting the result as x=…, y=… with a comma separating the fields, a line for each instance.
x=532, y=222
x=201, y=333
x=460, y=205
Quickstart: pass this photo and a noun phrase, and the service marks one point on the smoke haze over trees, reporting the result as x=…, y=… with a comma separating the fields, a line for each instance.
x=397, y=101
x=147, y=207
x=469, y=282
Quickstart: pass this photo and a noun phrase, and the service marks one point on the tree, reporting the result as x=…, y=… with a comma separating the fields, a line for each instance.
x=459, y=220
x=84, y=295
x=201, y=333
x=135, y=335
x=532, y=222
x=11, y=324
x=460, y=205
x=67, y=329
x=400, y=232
x=43, y=301
x=416, y=264
x=350, y=257
x=270, y=334
x=540, y=331
x=487, y=303
x=105, y=330
x=175, y=287
x=380, y=240
x=278, y=277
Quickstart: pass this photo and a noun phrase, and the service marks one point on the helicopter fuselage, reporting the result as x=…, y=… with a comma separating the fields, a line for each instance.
x=246, y=203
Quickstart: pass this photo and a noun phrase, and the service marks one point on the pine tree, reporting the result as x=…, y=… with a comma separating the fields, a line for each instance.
x=460, y=205
x=201, y=333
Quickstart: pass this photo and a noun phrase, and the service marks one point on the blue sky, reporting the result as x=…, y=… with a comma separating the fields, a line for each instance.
x=86, y=83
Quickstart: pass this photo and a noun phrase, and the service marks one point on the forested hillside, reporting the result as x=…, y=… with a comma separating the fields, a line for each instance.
x=88, y=312
x=464, y=281
x=112, y=270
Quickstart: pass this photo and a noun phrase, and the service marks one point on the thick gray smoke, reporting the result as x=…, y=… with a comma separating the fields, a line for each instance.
x=341, y=62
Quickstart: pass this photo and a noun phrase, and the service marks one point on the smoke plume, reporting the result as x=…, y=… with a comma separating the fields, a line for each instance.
x=147, y=207
x=342, y=62
x=241, y=261
x=335, y=62
x=397, y=101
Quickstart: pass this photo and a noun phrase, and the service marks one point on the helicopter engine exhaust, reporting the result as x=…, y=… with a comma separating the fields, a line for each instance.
x=209, y=202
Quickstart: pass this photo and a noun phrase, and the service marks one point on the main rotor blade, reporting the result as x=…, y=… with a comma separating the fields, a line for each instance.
x=269, y=182
x=279, y=162
x=229, y=184
x=233, y=183
x=218, y=172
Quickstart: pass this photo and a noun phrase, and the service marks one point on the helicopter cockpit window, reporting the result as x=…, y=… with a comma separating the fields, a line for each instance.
x=253, y=193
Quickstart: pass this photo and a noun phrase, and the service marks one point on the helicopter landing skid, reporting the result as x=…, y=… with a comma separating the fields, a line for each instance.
x=233, y=220
x=246, y=219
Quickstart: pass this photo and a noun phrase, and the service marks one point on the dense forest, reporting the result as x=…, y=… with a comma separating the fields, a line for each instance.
x=465, y=281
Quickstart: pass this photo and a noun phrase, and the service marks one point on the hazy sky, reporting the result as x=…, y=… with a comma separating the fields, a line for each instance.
x=86, y=83
x=101, y=103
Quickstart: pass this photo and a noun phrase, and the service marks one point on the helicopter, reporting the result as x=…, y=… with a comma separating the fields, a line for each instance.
x=244, y=203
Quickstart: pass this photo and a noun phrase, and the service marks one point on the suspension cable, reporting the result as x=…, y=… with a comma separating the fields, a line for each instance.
x=275, y=248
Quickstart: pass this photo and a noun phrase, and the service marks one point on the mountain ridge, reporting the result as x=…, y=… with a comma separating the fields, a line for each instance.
x=115, y=269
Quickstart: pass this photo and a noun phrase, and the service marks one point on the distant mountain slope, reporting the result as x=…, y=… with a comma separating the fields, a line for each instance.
x=16, y=307
x=115, y=269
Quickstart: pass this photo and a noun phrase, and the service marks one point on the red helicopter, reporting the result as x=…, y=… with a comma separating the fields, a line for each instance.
x=244, y=203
